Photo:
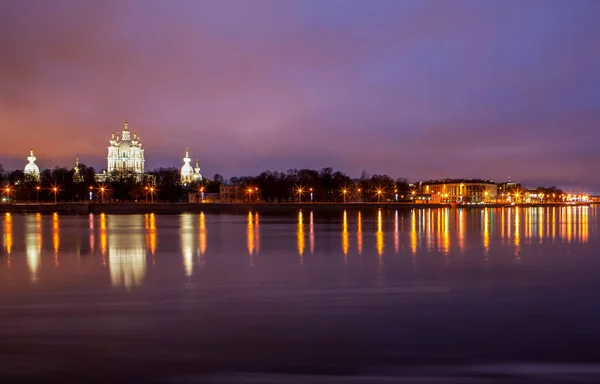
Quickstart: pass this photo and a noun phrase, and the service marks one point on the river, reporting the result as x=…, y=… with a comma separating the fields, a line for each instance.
x=424, y=295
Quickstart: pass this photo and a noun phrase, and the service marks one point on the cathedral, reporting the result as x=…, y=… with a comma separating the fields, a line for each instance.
x=125, y=153
x=189, y=174
x=32, y=171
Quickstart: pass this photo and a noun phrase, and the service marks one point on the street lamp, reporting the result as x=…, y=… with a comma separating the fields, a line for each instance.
x=344, y=191
x=311, y=195
x=202, y=193
x=250, y=195
x=300, y=194
x=152, y=194
x=7, y=192
x=102, y=190
x=378, y=195
x=37, y=194
x=55, y=191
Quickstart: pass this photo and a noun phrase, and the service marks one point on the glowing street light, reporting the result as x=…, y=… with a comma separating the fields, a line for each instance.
x=344, y=192
x=102, y=191
x=55, y=191
x=250, y=195
x=379, y=191
x=202, y=193
x=311, y=194
x=37, y=194
x=7, y=192
x=299, y=191
x=152, y=189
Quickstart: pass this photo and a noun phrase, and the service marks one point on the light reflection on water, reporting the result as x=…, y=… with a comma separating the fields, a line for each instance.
x=126, y=250
x=260, y=289
x=126, y=243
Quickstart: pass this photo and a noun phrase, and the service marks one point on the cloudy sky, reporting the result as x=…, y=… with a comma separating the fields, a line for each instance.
x=416, y=89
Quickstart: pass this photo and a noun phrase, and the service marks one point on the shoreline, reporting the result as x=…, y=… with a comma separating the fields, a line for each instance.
x=176, y=208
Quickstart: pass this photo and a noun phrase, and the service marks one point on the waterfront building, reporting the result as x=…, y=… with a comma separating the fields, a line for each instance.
x=77, y=177
x=125, y=153
x=230, y=193
x=460, y=190
x=197, y=175
x=187, y=172
x=32, y=171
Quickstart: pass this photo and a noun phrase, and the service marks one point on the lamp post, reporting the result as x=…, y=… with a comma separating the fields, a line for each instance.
x=300, y=195
x=396, y=193
x=202, y=194
x=152, y=195
x=102, y=190
x=7, y=191
x=55, y=191
x=378, y=195
x=91, y=192
x=250, y=195
x=37, y=194
x=311, y=195
x=344, y=191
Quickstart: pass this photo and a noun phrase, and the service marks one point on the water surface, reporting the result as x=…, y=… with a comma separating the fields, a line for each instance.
x=443, y=295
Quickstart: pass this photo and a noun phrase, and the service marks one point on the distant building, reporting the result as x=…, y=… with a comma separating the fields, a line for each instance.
x=125, y=154
x=189, y=174
x=32, y=171
x=459, y=190
x=197, y=175
x=77, y=177
x=230, y=193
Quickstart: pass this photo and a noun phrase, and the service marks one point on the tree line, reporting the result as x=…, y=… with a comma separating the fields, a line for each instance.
x=164, y=184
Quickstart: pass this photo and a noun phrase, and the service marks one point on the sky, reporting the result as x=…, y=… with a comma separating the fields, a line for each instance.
x=415, y=89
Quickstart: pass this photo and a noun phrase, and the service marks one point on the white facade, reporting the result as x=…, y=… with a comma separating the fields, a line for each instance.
x=125, y=153
x=197, y=175
x=189, y=174
x=32, y=171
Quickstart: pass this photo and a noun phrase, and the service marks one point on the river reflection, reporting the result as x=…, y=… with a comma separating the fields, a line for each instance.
x=127, y=242
x=166, y=294
x=126, y=250
x=253, y=235
x=33, y=243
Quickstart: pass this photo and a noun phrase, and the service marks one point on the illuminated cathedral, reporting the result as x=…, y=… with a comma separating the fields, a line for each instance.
x=189, y=174
x=125, y=153
x=32, y=171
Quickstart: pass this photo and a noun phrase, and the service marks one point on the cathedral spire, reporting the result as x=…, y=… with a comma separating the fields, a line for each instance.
x=77, y=178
